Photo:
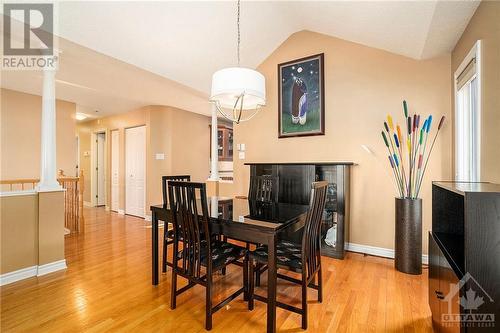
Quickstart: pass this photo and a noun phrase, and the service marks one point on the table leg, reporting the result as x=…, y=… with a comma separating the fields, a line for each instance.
x=271, y=285
x=154, y=246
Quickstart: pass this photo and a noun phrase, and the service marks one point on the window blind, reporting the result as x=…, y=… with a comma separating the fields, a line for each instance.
x=467, y=74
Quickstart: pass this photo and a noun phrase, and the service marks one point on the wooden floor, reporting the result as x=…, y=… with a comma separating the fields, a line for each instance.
x=107, y=287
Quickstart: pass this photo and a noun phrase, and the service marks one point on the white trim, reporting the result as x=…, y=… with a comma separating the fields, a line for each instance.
x=148, y=218
x=51, y=267
x=93, y=151
x=475, y=52
x=377, y=251
x=121, y=211
x=17, y=193
x=18, y=275
x=87, y=204
x=107, y=208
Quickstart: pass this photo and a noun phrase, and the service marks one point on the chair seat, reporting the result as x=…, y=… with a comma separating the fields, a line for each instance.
x=287, y=254
x=223, y=253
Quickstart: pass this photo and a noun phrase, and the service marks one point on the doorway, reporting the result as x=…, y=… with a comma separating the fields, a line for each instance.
x=99, y=175
x=135, y=171
x=115, y=170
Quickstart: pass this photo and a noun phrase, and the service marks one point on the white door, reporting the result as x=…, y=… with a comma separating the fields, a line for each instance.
x=135, y=171
x=101, y=140
x=115, y=185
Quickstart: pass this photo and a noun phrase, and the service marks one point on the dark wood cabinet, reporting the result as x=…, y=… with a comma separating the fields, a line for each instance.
x=295, y=185
x=464, y=257
x=224, y=142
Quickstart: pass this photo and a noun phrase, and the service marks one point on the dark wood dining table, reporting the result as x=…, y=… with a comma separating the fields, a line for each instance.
x=244, y=220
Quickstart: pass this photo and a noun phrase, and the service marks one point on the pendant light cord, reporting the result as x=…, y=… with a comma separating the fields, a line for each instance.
x=238, y=26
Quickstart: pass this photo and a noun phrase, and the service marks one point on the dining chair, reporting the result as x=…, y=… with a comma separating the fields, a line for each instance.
x=168, y=234
x=302, y=258
x=200, y=248
x=263, y=188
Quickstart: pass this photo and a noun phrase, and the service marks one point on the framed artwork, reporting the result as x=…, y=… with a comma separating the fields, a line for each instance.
x=301, y=100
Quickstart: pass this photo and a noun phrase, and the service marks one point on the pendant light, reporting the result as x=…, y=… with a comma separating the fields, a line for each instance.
x=238, y=92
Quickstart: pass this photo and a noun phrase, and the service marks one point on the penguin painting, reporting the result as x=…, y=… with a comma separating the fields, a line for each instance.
x=299, y=102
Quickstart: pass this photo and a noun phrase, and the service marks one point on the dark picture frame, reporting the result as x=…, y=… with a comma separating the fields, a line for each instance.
x=301, y=98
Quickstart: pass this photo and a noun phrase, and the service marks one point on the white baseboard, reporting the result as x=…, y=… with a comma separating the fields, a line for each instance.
x=148, y=218
x=18, y=275
x=32, y=271
x=378, y=251
x=87, y=204
x=121, y=211
x=51, y=267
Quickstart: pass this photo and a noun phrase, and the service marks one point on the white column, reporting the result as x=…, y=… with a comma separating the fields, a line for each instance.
x=48, y=167
x=214, y=163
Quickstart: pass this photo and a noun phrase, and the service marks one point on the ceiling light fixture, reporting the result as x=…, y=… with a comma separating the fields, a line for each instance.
x=81, y=116
x=238, y=92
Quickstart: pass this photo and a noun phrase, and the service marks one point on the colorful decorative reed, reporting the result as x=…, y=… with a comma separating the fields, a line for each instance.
x=408, y=167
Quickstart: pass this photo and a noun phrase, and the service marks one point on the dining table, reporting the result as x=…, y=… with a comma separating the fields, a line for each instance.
x=245, y=220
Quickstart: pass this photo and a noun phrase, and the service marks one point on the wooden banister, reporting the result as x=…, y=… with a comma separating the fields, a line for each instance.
x=73, y=197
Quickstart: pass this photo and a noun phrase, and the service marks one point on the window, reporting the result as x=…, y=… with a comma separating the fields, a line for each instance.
x=467, y=117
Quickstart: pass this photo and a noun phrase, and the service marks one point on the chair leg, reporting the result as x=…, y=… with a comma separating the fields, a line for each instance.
x=164, y=261
x=257, y=274
x=250, y=285
x=173, y=291
x=208, y=303
x=320, y=285
x=304, y=302
x=245, y=278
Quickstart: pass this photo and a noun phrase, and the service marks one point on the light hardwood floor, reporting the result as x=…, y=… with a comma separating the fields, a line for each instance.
x=107, y=287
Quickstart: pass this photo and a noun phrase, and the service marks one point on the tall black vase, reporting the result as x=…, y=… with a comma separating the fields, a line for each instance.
x=408, y=238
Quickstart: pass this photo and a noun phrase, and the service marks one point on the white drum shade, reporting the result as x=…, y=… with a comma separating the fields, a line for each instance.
x=229, y=83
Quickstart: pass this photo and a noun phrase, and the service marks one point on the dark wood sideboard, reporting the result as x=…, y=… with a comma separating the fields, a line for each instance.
x=295, y=186
x=464, y=257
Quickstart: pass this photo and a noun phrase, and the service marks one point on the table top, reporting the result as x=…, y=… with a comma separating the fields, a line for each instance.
x=251, y=212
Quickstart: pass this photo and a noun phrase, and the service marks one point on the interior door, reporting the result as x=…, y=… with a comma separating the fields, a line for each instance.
x=135, y=166
x=100, y=170
x=115, y=167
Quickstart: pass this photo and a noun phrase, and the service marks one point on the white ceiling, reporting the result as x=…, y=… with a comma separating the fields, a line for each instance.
x=188, y=41
x=164, y=53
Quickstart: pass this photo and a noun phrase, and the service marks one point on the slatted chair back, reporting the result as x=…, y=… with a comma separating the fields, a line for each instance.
x=191, y=226
x=311, y=256
x=263, y=188
x=164, y=185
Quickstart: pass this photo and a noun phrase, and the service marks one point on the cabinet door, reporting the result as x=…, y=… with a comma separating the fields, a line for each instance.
x=220, y=143
x=448, y=281
x=434, y=292
x=295, y=183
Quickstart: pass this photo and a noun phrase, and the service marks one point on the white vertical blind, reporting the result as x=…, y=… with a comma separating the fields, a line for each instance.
x=467, y=125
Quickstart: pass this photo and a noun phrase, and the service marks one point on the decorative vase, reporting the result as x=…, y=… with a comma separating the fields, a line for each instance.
x=408, y=236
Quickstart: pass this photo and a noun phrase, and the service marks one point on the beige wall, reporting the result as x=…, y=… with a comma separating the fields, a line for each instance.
x=485, y=26
x=20, y=135
x=182, y=136
x=31, y=230
x=362, y=85
x=50, y=227
x=19, y=232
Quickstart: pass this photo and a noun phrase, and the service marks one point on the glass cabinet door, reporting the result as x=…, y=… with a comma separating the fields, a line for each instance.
x=220, y=143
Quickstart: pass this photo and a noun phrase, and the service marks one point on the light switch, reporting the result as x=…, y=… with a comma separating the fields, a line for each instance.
x=242, y=147
x=241, y=155
x=160, y=156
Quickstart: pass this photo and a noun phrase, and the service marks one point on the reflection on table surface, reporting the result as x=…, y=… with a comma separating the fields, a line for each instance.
x=253, y=211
